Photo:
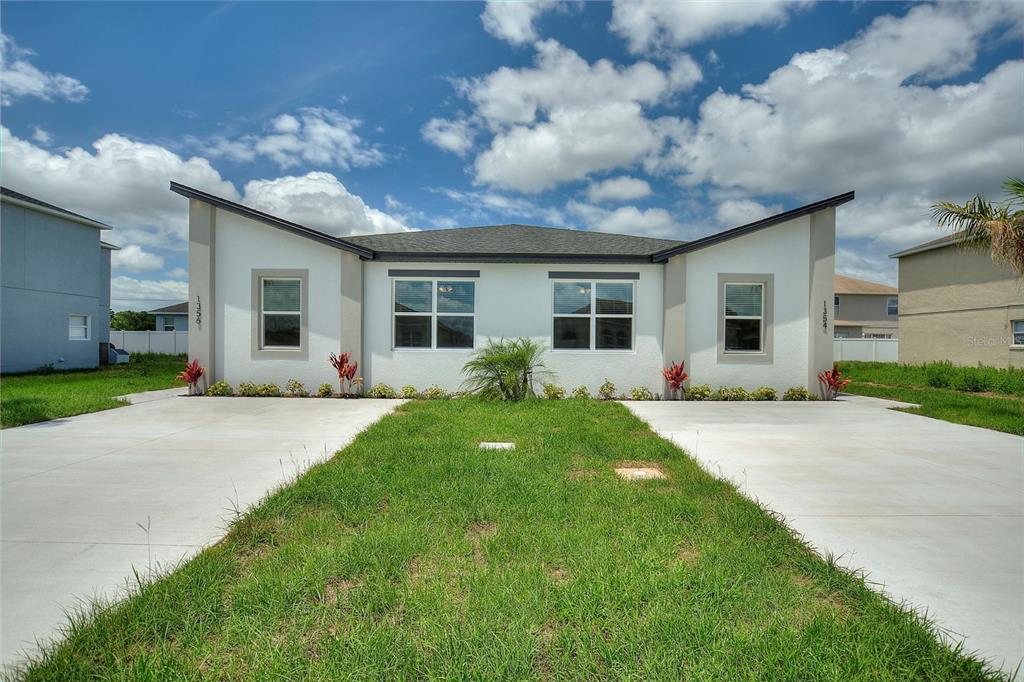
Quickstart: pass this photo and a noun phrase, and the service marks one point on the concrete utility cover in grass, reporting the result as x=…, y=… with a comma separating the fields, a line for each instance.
x=639, y=473
x=497, y=446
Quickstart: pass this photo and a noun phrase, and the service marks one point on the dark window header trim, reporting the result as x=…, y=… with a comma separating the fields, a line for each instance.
x=433, y=273
x=558, y=274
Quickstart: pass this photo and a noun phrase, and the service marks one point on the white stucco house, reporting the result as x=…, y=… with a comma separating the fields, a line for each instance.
x=270, y=299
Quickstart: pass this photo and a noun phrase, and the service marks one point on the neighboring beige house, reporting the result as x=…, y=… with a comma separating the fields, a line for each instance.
x=958, y=305
x=864, y=309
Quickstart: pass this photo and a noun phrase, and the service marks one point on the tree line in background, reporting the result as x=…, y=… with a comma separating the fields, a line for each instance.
x=132, y=321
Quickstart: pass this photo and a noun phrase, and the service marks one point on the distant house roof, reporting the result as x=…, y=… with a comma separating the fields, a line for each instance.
x=111, y=247
x=19, y=199
x=939, y=243
x=512, y=242
x=842, y=284
x=176, y=309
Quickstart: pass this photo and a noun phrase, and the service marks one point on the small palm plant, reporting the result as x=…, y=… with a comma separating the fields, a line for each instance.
x=505, y=370
x=983, y=225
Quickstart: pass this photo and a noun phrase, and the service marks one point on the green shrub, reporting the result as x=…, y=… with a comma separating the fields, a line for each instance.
x=641, y=393
x=732, y=393
x=553, y=392
x=581, y=392
x=410, y=392
x=220, y=388
x=268, y=390
x=325, y=391
x=505, y=370
x=699, y=392
x=797, y=393
x=247, y=389
x=435, y=393
x=940, y=374
x=764, y=393
x=295, y=389
x=606, y=391
x=972, y=381
x=382, y=391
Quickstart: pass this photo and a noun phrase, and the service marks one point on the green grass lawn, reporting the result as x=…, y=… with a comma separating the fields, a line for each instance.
x=413, y=554
x=28, y=398
x=935, y=389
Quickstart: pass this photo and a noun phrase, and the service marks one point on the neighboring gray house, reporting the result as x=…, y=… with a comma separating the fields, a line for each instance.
x=865, y=310
x=172, y=318
x=55, y=294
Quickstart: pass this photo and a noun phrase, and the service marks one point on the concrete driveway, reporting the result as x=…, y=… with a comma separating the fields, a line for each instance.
x=75, y=491
x=932, y=511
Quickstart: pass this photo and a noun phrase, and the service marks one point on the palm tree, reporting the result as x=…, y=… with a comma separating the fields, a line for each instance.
x=996, y=228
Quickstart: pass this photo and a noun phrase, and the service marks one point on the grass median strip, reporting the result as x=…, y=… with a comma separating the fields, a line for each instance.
x=38, y=397
x=415, y=554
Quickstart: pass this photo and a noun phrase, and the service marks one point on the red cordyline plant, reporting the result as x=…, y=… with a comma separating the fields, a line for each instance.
x=191, y=375
x=675, y=376
x=346, y=370
x=830, y=382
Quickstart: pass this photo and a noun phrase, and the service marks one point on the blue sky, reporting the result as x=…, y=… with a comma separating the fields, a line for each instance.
x=659, y=119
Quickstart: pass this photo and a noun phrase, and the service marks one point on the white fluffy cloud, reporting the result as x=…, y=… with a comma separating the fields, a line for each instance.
x=651, y=222
x=564, y=118
x=513, y=20
x=452, y=136
x=21, y=78
x=129, y=292
x=119, y=181
x=133, y=258
x=315, y=135
x=319, y=200
x=649, y=25
x=41, y=136
x=735, y=212
x=483, y=206
x=622, y=188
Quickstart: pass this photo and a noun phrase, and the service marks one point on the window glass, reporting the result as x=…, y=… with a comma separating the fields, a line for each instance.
x=281, y=295
x=454, y=332
x=413, y=296
x=281, y=331
x=891, y=305
x=742, y=335
x=614, y=299
x=743, y=300
x=1018, y=332
x=613, y=333
x=572, y=298
x=455, y=297
x=412, y=331
x=572, y=332
x=78, y=327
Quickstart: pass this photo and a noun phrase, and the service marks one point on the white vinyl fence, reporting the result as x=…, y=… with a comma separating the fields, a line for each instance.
x=171, y=343
x=878, y=350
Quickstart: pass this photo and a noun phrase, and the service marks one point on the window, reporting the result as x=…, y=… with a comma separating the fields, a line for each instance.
x=432, y=313
x=592, y=316
x=281, y=313
x=835, y=312
x=169, y=324
x=1017, y=326
x=892, y=305
x=744, y=317
x=78, y=327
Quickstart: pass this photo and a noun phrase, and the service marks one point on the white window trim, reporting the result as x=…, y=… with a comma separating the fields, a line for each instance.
x=87, y=326
x=433, y=314
x=264, y=313
x=1013, y=345
x=593, y=315
x=726, y=316
x=897, y=305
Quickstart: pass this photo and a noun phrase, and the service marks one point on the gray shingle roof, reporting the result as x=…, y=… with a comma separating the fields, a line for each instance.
x=513, y=240
x=8, y=192
x=177, y=308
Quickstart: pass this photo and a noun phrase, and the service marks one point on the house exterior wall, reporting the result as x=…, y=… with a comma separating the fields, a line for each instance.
x=784, y=252
x=870, y=308
x=244, y=245
x=50, y=268
x=513, y=300
x=957, y=305
x=178, y=320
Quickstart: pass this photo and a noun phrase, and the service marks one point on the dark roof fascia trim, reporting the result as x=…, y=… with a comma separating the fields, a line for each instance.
x=412, y=256
x=281, y=223
x=711, y=240
x=109, y=247
x=433, y=273
x=55, y=211
x=554, y=274
x=940, y=243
